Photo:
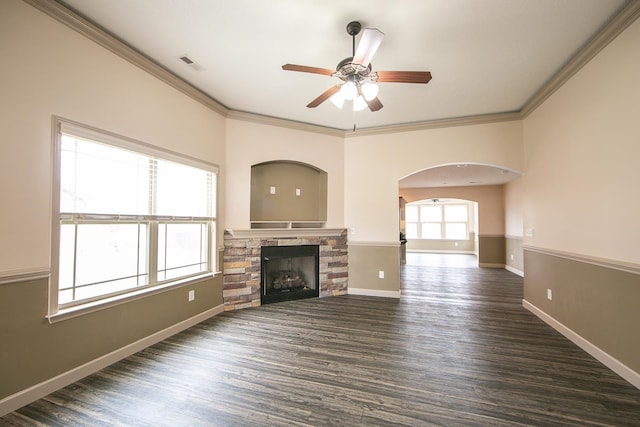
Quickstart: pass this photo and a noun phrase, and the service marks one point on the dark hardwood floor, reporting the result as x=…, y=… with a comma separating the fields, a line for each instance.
x=457, y=349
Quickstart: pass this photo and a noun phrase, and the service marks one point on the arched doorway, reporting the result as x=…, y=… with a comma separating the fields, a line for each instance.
x=482, y=185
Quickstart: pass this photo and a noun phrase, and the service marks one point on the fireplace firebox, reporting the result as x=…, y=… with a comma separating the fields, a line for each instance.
x=289, y=273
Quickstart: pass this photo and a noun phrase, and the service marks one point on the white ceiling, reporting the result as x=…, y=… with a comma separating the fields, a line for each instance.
x=486, y=56
x=459, y=175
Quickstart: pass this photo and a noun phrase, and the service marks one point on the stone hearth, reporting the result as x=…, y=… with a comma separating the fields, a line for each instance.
x=241, y=275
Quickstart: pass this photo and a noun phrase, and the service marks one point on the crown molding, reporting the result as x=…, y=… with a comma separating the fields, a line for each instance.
x=612, y=29
x=627, y=15
x=110, y=42
x=284, y=123
x=434, y=124
x=404, y=127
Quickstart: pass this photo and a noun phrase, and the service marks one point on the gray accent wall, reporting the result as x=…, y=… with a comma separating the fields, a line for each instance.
x=33, y=350
x=365, y=263
x=288, y=191
x=514, y=254
x=597, y=302
x=491, y=251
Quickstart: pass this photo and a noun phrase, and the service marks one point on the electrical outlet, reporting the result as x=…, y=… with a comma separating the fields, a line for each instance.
x=297, y=191
x=549, y=294
x=381, y=274
x=192, y=295
x=511, y=256
x=272, y=190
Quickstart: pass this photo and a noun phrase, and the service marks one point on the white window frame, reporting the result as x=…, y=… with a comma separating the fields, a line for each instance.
x=62, y=311
x=443, y=236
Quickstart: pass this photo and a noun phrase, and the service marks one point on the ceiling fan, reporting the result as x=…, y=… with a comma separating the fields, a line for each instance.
x=355, y=71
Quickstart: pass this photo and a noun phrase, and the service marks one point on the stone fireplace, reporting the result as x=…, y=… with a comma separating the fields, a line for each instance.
x=242, y=275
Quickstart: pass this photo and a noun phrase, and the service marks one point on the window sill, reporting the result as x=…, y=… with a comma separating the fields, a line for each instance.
x=93, y=306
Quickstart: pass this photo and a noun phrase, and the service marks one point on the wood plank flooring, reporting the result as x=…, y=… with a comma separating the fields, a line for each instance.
x=457, y=349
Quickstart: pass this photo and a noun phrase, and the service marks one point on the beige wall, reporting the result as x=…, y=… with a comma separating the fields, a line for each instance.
x=55, y=71
x=581, y=152
x=514, y=256
x=581, y=204
x=513, y=208
x=375, y=163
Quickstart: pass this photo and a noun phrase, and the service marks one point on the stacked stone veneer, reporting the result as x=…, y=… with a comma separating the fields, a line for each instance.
x=241, y=275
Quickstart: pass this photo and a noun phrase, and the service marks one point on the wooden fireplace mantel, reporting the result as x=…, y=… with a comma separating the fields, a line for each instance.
x=283, y=232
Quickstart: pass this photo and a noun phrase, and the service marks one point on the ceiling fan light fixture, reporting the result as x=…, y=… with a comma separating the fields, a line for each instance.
x=359, y=104
x=369, y=91
x=337, y=99
x=349, y=91
x=360, y=81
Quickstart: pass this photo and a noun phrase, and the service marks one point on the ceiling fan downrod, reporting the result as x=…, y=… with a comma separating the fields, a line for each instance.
x=353, y=29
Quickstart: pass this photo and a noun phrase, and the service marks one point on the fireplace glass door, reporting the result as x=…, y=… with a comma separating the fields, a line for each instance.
x=289, y=272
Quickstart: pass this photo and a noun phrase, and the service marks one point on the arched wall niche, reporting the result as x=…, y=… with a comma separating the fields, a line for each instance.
x=288, y=194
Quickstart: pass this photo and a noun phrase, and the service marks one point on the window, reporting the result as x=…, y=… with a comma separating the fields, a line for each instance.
x=428, y=220
x=126, y=216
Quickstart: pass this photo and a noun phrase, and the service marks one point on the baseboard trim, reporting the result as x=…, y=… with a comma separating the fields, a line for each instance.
x=33, y=393
x=490, y=265
x=609, y=361
x=374, y=293
x=435, y=251
x=514, y=270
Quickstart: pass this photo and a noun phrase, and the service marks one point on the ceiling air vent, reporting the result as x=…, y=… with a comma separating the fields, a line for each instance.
x=191, y=63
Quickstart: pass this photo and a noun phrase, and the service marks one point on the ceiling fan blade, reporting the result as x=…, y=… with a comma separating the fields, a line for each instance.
x=369, y=44
x=305, y=69
x=324, y=96
x=374, y=104
x=404, y=76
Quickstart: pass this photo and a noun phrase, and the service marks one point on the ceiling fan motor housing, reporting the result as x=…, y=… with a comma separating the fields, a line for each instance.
x=348, y=71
